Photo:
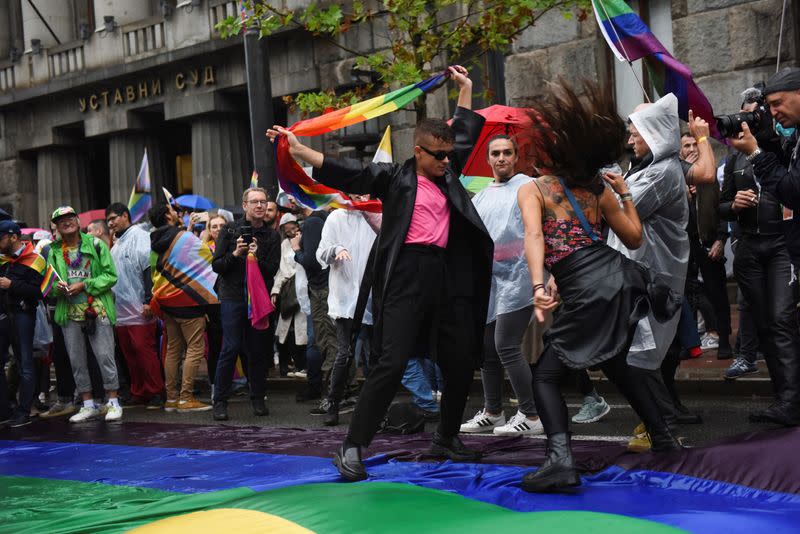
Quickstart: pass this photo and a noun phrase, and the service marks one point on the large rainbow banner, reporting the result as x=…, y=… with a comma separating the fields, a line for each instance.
x=171, y=477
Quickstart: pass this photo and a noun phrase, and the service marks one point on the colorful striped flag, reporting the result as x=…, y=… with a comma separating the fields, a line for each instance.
x=170, y=199
x=140, y=200
x=254, y=179
x=314, y=195
x=630, y=39
x=29, y=258
x=182, y=275
x=259, y=304
x=49, y=278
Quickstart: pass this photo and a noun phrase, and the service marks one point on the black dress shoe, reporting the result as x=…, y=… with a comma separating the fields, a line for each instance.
x=332, y=415
x=348, y=462
x=431, y=416
x=220, y=411
x=453, y=448
x=779, y=413
x=259, y=407
x=308, y=394
x=688, y=419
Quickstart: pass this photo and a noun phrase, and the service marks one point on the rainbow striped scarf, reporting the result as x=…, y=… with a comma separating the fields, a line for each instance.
x=29, y=258
x=294, y=180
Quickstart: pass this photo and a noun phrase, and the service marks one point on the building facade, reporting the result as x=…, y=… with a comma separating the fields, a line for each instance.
x=87, y=85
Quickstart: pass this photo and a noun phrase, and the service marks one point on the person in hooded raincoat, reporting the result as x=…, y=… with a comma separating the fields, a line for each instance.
x=659, y=194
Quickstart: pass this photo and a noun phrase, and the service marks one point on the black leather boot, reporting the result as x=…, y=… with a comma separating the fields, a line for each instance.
x=348, y=462
x=780, y=412
x=662, y=440
x=220, y=411
x=332, y=415
x=558, y=471
x=453, y=448
x=259, y=407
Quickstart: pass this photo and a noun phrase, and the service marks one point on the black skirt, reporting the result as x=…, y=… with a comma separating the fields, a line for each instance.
x=604, y=295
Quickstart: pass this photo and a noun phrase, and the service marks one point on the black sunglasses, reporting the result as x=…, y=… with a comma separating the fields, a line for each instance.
x=441, y=154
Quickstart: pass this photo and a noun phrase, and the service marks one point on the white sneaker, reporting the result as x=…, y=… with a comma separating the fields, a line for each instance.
x=113, y=413
x=302, y=373
x=709, y=341
x=520, y=425
x=482, y=423
x=85, y=414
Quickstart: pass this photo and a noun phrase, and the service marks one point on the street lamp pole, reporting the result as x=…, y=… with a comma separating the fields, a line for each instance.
x=259, y=95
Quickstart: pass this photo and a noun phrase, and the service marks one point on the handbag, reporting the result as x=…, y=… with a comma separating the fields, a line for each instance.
x=289, y=305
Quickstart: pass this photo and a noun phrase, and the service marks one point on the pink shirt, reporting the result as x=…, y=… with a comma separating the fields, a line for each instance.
x=430, y=221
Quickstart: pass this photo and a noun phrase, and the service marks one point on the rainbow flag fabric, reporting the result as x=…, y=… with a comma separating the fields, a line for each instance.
x=294, y=180
x=29, y=258
x=182, y=275
x=141, y=200
x=630, y=39
x=259, y=304
x=254, y=179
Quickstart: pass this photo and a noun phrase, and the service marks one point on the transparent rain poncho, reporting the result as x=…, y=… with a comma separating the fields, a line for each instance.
x=131, y=255
x=659, y=194
x=345, y=230
x=512, y=289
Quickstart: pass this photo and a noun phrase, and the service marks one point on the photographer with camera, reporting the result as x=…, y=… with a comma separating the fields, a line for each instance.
x=776, y=172
x=85, y=309
x=252, y=234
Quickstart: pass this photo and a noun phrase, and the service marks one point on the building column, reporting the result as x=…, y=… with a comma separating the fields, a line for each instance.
x=62, y=179
x=125, y=159
x=221, y=163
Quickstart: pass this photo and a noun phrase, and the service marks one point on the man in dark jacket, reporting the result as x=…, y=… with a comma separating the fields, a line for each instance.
x=429, y=273
x=253, y=233
x=770, y=164
x=20, y=280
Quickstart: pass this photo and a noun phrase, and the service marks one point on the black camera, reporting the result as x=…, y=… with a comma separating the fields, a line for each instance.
x=247, y=232
x=730, y=125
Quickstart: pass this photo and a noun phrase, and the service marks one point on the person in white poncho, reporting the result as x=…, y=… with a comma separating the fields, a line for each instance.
x=510, y=300
x=345, y=244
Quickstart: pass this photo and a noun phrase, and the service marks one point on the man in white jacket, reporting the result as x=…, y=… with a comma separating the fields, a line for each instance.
x=346, y=242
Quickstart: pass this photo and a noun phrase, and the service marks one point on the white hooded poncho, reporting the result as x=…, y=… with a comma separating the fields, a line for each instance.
x=659, y=194
x=131, y=255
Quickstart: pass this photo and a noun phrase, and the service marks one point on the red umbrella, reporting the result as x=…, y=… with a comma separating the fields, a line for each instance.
x=26, y=231
x=92, y=215
x=515, y=122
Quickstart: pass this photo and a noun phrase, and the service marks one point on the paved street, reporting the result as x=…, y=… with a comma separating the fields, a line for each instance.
x=724, y=414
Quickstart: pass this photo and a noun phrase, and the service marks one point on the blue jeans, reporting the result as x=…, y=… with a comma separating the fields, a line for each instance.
x=415, y=381
x=239, y=336
x=17, y=330
x=313, y=358
x=433, y=373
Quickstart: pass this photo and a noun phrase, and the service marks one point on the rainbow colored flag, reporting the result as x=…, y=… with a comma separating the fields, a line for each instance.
x=311, y=194
x=182, y=275
x=140, y=200
x=259, y=304
x=630, y=39
x=254, y=179
x=29, y=258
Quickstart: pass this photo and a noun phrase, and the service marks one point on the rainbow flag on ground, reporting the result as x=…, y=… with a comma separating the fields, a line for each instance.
x=140, y=200
x=182, y=275
x=630, y=39
x=29, y=258
x=294, y=180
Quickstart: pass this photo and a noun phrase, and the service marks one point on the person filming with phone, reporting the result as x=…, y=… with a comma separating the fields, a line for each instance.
x=252, y=234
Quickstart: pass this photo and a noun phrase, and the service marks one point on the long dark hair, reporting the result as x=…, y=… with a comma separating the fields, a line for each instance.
x=578, y=134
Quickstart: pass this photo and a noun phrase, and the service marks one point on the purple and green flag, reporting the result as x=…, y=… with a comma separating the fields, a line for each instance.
x=141, y=200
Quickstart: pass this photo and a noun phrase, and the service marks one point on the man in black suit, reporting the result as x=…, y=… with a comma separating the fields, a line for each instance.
x=429, y=272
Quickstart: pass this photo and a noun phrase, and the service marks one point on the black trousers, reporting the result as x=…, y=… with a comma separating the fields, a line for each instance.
x=715, y=281
x=417, y=309
x=550, y=371
x=763, y=271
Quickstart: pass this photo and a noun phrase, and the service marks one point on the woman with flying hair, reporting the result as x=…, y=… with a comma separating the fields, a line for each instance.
x=602, y=293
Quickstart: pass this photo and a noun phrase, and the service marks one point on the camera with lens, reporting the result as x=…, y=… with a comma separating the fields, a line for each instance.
x=247, y=232
x=759, y=120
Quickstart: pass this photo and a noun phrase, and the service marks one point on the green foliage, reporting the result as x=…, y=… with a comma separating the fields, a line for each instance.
x=420, y=33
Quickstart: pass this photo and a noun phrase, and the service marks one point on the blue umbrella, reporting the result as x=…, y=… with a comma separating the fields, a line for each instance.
x=195, y=202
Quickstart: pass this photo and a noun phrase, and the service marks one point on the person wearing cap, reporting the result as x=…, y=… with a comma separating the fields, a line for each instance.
x=291, y=345
x=21, y=271
x=135, y=326
x=85, y=309
x=777, y=171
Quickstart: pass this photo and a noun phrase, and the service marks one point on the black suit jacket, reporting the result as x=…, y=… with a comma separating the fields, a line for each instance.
x=470, y=248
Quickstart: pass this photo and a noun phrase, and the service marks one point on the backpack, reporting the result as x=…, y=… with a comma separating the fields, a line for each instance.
x=403, y=418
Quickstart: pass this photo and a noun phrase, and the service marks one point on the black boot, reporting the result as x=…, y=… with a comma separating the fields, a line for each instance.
x=453, y=448
x=348, y=462
x=662, y=440
x=332, y=415
x=220, y=411
x=558, y=470
x=780, y=412
x=259, y=407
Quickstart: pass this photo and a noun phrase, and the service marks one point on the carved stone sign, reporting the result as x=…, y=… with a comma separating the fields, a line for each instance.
x=145, y=89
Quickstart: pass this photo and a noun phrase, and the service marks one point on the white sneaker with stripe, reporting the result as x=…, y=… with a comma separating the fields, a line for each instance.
x=520, y=425
x=483, y=422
